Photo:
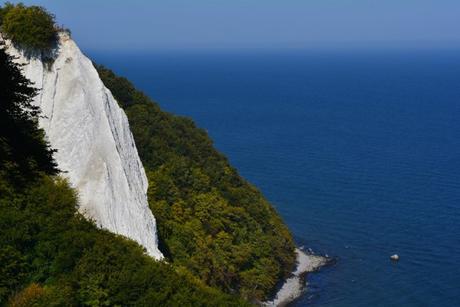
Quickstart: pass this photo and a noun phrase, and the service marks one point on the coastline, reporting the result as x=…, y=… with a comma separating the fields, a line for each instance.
x=294, y=286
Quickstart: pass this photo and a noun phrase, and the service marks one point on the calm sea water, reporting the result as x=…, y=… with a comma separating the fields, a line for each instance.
x=360, y=154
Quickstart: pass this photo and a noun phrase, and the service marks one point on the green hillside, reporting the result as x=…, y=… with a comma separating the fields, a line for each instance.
x=211, y=221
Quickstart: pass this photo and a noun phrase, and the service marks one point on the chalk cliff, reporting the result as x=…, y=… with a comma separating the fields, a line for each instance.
x=95, y=147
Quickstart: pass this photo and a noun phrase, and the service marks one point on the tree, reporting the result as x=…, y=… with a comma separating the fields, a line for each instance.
x=28, y=26
x=23, y=149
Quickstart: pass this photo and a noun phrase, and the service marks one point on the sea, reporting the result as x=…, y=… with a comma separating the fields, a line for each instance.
x=358, y=150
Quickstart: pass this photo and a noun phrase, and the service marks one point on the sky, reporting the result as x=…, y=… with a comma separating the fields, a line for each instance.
x=258, y=24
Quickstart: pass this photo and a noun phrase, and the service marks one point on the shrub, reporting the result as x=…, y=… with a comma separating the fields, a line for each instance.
x=30, y=296
x=29, y=27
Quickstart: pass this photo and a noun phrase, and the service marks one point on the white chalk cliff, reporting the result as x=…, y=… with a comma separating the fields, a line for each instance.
x=95, y=147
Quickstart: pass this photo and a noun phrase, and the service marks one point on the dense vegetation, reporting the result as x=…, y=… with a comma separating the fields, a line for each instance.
x=211, y=222
x=49, y=254
x=30, y=27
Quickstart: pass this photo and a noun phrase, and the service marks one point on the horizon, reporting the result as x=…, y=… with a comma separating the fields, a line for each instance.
x=230, y=153
x=259, y=26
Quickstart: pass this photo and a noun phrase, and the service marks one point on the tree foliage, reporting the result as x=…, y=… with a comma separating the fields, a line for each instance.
x=211, y=221
x=45, y=241
x=23, y=151
x=30, y=27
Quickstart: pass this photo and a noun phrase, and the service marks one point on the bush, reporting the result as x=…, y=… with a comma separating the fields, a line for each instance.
x=29, y=27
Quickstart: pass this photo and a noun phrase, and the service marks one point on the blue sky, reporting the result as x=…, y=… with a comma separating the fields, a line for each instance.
x=259, y=24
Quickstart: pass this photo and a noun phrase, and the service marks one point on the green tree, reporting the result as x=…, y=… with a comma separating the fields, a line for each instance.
x=13, y=270
x=30, y=27
x=23, y=150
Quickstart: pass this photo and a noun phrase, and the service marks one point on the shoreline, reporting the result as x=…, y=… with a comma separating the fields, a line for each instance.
x=294, y=286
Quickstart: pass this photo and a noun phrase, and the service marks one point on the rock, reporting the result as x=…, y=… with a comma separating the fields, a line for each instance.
x=95, y=147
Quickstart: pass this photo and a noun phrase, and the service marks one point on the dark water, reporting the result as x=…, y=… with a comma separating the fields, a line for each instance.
x=360, y=154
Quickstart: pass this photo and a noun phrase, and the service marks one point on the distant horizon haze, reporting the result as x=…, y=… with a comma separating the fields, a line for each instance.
x=258, y=25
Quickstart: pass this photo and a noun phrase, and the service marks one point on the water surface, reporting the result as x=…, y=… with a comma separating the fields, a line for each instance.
x=359, y=153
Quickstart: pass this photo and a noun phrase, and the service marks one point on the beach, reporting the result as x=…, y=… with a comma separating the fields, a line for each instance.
x=295, y=285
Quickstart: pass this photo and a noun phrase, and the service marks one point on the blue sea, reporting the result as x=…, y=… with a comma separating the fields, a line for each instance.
x=358, y=151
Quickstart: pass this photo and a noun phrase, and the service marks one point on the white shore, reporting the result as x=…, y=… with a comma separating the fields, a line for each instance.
x=294, y=286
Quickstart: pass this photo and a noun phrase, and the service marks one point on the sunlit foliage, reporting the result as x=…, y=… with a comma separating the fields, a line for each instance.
x=211, y=221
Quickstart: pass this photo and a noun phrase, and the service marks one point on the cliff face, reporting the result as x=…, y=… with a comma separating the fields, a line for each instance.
x=95, y=147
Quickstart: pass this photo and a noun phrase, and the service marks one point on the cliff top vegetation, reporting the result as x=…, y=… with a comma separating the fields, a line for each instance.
x=28, y=27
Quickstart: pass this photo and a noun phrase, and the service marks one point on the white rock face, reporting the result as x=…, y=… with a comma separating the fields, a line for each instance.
x=95, y=146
